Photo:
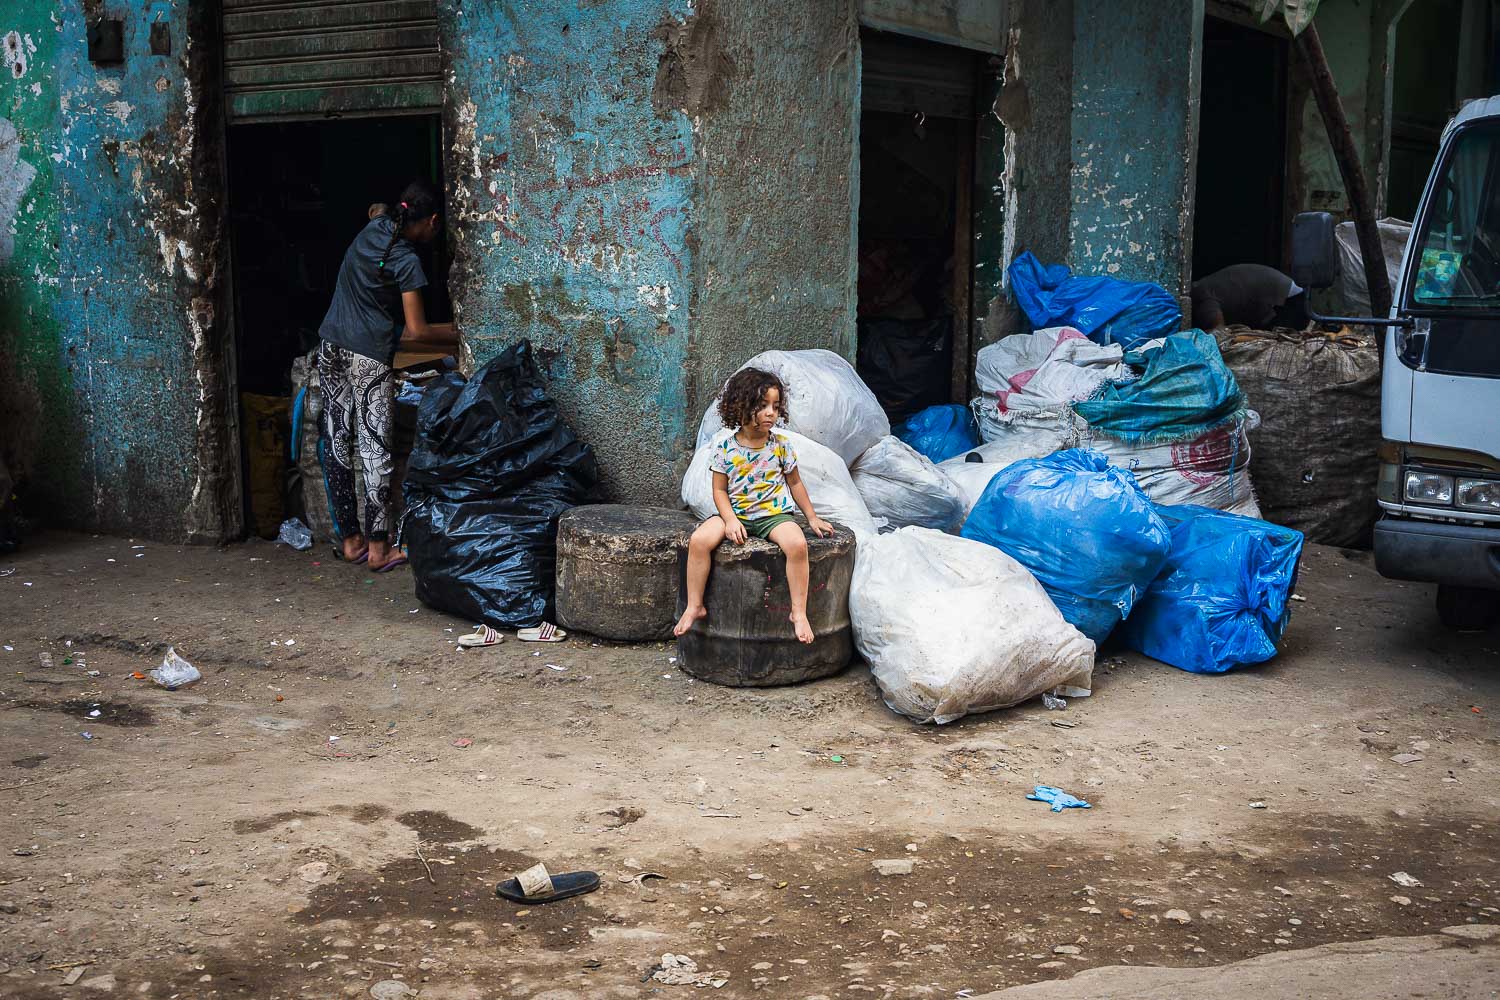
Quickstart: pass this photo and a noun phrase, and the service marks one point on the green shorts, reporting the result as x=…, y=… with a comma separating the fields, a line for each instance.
x=762, y=527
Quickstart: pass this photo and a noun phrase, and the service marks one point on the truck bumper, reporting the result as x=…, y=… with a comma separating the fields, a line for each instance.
x=1434, y=552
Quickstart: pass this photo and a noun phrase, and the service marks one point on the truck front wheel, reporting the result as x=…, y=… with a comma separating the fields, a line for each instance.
x=1467, y=609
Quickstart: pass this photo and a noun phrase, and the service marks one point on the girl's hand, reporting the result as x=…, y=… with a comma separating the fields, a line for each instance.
x=820, y=527
x=735, y=532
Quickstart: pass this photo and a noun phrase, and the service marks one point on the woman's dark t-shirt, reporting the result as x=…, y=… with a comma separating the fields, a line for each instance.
x=365, y=315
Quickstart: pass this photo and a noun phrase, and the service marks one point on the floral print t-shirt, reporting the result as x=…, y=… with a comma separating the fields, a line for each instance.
x=757, y=476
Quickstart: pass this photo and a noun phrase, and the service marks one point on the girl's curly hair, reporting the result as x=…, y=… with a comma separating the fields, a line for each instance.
x=743, y=394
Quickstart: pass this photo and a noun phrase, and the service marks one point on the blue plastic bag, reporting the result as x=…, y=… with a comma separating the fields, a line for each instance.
x=1057, y=798
x=1106, y=310
x=1082, y=527
x=940, y=432
x=1185, y=392
x=1222, y=598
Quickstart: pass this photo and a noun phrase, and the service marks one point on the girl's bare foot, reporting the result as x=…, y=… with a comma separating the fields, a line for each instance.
x=689, y=616
x=803, y=628
x=354, y=547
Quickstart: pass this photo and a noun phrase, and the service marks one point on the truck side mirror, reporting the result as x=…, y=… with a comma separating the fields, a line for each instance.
x=1314, y=260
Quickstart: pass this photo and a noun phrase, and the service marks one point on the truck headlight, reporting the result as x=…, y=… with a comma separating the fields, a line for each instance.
x=1479, y=494
x=1428, y=487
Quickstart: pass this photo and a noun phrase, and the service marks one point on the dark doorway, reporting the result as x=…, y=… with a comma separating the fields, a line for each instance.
x=299, y=192
x=1240, y=210
x=916, y=180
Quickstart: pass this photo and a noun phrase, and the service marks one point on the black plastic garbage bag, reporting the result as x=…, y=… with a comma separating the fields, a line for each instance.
x=493, y=468
x=906, y=363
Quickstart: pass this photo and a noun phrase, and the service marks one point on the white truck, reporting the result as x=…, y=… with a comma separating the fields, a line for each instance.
x=1439, y=486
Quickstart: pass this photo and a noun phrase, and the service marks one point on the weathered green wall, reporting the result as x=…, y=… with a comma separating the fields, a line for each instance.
x=37, y=401
x=570, y=196
x=112, y=348
x=652, y=191
x=1100, y=111
x=1135, y=139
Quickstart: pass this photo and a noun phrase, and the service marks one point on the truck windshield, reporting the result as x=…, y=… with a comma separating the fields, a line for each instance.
x=1458, y=255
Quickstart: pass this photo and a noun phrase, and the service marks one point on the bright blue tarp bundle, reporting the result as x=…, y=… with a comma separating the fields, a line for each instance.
x=1222, y=597
x=1082, y=527
x=1106, y=310
x=941, y=432
x=1186, y=390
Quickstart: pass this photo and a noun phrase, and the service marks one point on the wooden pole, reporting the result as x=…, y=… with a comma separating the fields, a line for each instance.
x=1310, y=47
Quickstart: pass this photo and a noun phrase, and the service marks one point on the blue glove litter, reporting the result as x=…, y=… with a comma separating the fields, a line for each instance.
x=1060, y=799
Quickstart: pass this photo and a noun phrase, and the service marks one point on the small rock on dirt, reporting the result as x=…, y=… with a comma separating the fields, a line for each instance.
x=313, y=872
x=100, y=984
x=1067, y=949
x=6, y=906
x=1474, y=932
x=1178, y=916
x=893, y=866
x=1401, y=900
x=74, y=974
x=1404, y=880
x=391, y=989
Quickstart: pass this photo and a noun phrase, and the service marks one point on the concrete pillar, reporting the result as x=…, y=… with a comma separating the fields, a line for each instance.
x=652, y=191
x=1136, y=69
x=1035, y=107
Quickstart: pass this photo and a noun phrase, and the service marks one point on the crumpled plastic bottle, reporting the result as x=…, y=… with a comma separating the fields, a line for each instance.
x=296, y=534
x=175, y=672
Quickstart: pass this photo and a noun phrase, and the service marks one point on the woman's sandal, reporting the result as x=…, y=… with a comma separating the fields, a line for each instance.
x=392, y=563
x=482, y=635
x=545, y=632
x=546, y=888
x=359, y=560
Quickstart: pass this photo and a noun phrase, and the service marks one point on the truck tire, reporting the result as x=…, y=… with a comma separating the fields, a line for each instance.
x=1467, y=609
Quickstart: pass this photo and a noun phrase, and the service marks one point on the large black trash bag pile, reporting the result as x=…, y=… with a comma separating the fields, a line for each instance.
x=493, y=469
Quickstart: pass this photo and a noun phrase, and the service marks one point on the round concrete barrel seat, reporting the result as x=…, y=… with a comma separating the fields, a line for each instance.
x=617, y=570
x=747, y=638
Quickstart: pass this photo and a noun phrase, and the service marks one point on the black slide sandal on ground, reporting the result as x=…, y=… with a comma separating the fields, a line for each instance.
x=563, y=886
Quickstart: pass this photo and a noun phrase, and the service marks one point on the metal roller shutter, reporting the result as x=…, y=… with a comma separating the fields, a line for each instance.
x=316, y=58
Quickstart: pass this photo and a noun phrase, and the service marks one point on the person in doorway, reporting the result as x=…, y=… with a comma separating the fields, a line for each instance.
x=378, y=293
x=1252, y=295
x=756, y=487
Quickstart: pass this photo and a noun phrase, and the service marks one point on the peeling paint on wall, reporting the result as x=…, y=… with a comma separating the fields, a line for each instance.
x=16, y=176
x=109, y=326
x=568, y=194
x=17, y=51
x=36, y=405
x=1134, y=132
x=652, y=191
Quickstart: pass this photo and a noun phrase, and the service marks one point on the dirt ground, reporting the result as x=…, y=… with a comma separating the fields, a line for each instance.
x=308, y=820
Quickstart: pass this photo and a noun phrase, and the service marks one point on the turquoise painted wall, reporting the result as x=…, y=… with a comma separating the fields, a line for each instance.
x=1134, y=139
x=115, y=335
x=570, y=197
x=652, y=191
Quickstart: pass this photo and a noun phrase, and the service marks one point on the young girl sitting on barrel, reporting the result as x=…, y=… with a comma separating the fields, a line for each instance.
x=756, y=489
